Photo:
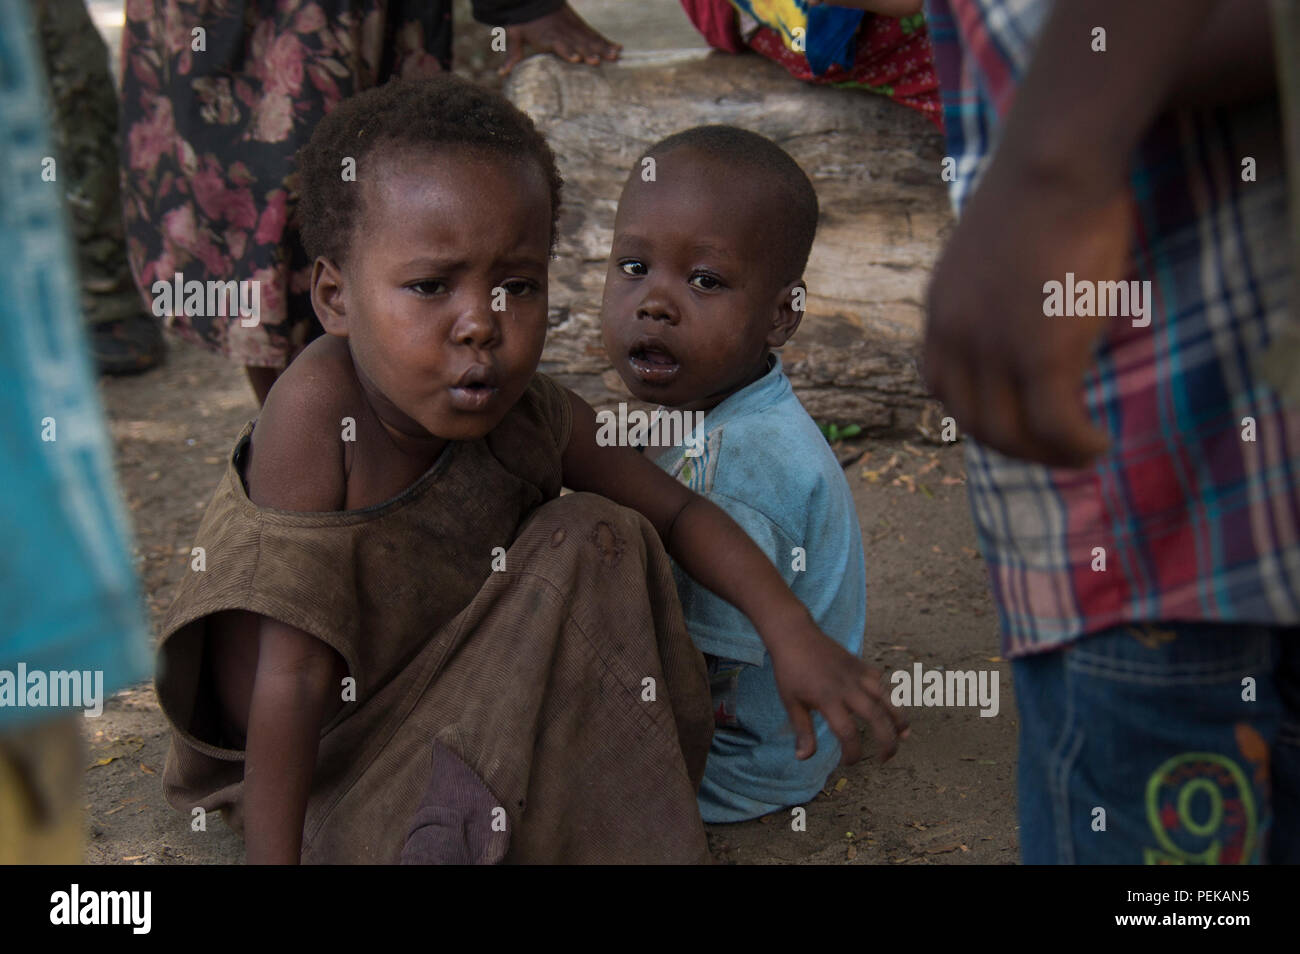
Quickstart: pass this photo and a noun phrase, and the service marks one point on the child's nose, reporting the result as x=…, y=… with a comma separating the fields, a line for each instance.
x=477, y=323
x=658, y=306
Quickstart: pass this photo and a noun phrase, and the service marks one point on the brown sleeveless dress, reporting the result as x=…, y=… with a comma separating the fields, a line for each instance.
x=558, y=703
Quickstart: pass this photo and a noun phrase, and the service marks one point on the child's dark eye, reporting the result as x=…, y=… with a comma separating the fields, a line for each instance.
x=519, y=287
x=429, y=287
x=705, y=282
x=631, y=266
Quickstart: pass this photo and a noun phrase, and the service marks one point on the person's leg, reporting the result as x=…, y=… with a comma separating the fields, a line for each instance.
x=124, y=338
x=1284, y=848
x=1040, y=686
x=1149, y=744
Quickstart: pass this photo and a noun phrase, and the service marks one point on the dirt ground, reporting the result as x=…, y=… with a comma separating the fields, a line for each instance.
x=947, y=798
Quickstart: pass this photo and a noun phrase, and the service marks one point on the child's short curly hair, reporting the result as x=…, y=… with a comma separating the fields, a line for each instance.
x=428, y=113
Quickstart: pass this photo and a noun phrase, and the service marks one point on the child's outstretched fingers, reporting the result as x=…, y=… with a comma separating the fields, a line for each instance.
x=884, y=722
x=873, y=684
x=865, y=698
x=840, y=719
x=805, y=742
x=816, y=673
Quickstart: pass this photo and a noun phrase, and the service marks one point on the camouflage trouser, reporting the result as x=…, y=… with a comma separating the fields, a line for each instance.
x=85, y=139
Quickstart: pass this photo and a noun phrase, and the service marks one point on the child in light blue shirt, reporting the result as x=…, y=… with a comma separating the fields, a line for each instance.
x=704, y=280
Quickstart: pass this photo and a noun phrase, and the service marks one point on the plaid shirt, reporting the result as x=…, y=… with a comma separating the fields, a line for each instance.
x=1196, y=522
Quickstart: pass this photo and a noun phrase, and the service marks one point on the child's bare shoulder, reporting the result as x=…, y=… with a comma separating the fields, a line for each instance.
x=297, y=457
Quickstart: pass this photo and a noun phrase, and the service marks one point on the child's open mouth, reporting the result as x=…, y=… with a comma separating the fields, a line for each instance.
x=475, y=389
x=652, y=362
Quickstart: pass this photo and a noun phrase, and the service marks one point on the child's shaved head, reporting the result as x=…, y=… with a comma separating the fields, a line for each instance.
x=750, y=154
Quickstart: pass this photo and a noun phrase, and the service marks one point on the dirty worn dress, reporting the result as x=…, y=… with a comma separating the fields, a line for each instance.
x=554, y=710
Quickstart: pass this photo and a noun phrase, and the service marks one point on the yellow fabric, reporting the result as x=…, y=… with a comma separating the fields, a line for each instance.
x=784, y=16
x=40, y=795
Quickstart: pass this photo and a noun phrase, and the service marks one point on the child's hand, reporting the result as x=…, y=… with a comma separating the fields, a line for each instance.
x=563, y=33
x=813, y=672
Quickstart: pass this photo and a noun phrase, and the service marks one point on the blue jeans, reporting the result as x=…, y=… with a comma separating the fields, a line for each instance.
x=1162, y=743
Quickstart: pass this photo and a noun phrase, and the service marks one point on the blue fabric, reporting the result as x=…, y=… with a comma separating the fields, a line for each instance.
x=768, y=466
x=1152, y=723
x=69, y=596
x=830, y=32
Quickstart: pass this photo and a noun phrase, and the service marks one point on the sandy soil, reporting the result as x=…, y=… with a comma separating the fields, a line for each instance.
x=947, y=798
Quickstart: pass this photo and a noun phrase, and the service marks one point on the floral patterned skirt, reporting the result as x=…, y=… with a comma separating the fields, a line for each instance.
x=217, y=96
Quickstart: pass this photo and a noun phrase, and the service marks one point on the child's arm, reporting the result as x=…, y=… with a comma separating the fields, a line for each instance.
x=296, y=464
x=291, y=692
x=812, y=671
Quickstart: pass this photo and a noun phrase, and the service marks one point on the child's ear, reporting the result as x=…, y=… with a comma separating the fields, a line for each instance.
x=327, y=297
x=790, y=305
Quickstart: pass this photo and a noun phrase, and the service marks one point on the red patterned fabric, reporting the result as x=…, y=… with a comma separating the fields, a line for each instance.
x=716, y=21
x=889, y=61
x=893, y=59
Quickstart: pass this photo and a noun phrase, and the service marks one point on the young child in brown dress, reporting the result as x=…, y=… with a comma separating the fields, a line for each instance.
x=388, y=566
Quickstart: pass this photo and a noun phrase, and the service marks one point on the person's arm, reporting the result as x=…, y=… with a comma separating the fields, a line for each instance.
x=1053, y=200
x=547, y=26
x=1232, y=59
x=296, y=463
x=1082, y=112
x=813, y=672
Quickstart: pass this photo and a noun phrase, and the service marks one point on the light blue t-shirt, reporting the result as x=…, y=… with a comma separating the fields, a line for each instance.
x=764, y=461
